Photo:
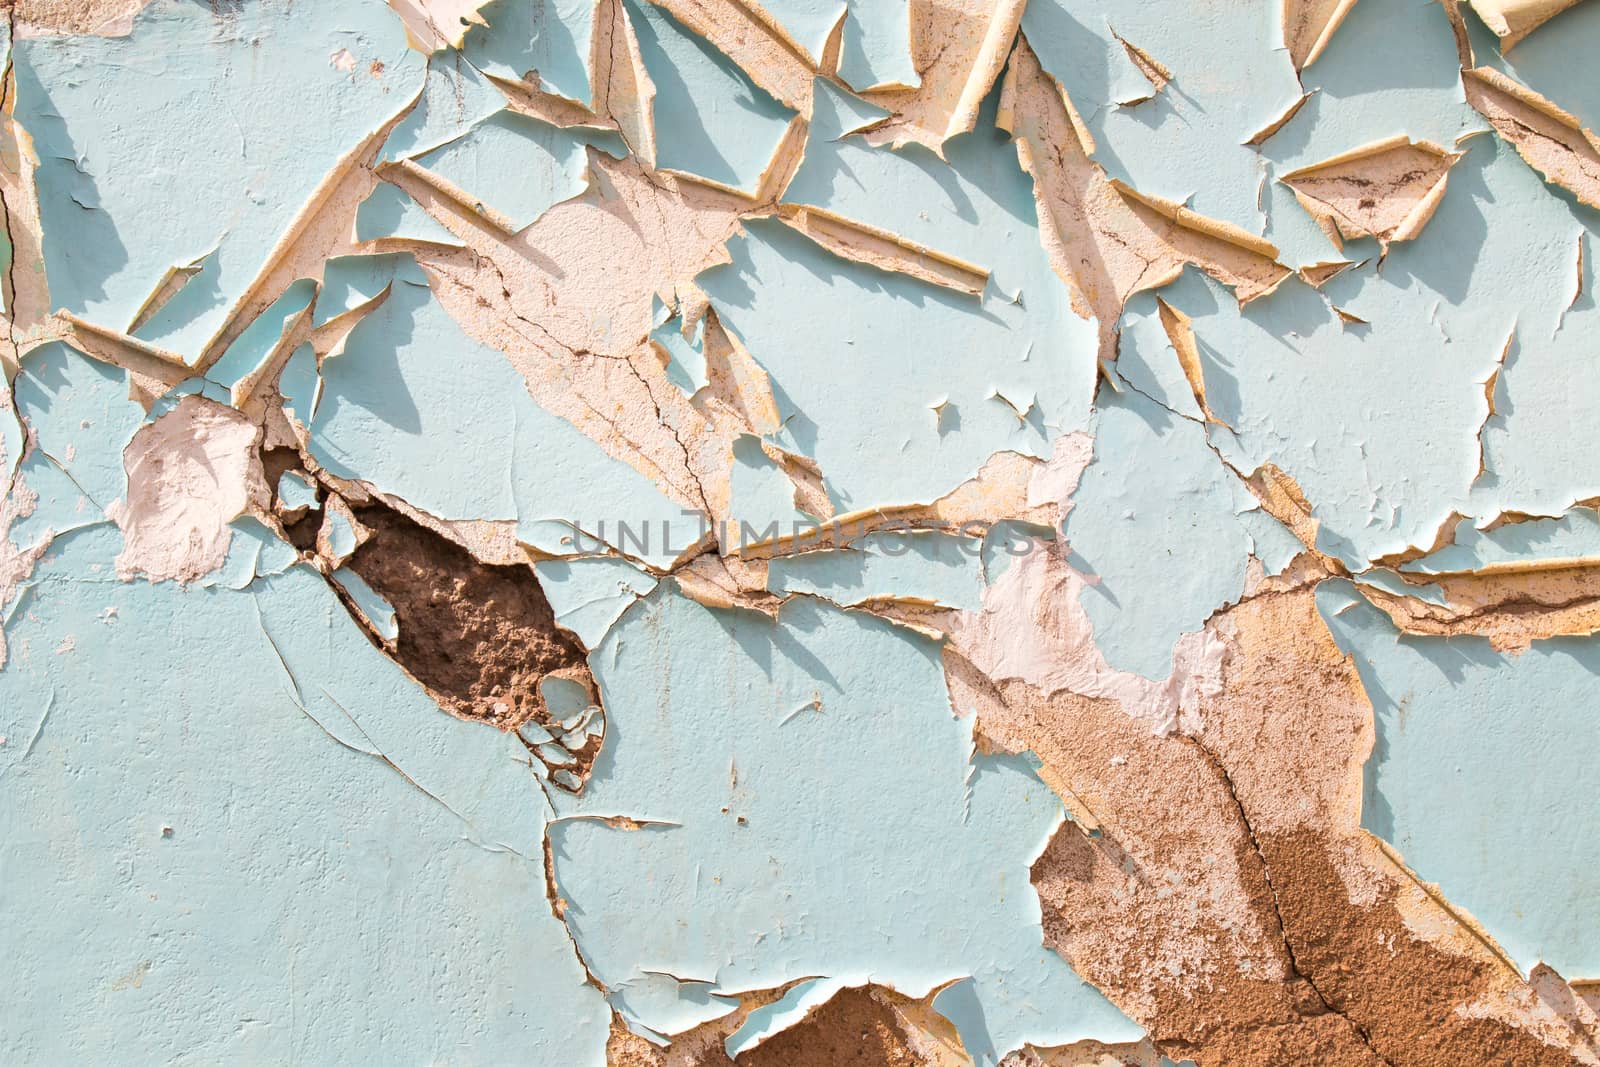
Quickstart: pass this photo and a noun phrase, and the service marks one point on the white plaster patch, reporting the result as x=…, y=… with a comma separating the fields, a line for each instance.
x=189, y=473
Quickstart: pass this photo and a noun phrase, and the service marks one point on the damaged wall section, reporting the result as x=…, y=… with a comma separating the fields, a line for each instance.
x=666, y=532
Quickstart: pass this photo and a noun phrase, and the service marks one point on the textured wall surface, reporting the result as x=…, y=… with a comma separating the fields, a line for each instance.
x=805, y=532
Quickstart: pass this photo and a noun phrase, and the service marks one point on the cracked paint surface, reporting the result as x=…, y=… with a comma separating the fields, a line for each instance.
x=940, y=532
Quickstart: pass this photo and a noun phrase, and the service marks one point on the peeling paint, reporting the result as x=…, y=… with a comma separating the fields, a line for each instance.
x=675, y=532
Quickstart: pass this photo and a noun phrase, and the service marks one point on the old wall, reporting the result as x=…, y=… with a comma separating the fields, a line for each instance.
x=884, y=531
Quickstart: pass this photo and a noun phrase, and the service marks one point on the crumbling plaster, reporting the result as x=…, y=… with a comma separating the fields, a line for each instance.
x=925, y=532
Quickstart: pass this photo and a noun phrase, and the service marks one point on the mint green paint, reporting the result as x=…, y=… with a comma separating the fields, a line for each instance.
x=1186, y=142
x=81, y=415
x=875, y=48
x=296, y=490
x=339, y=534
x=588, y=594
x=1483, y=770
x=878, y=348
x=550, y=164
x=943, y=569
x=763, y=498
x=390, y=212
x=316, y=815
x=455, y=97
x=252, y=347
x=377, y=611
x=976, y=205
x=710, y=118
x=123, y=130
x=524, y=37
x=418, y=408
x=1155, y=527
x=686, y=356
x=1575, y=535
x=771, y=849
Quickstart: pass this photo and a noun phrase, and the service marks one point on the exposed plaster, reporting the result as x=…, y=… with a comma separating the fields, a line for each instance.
x=676, y=532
